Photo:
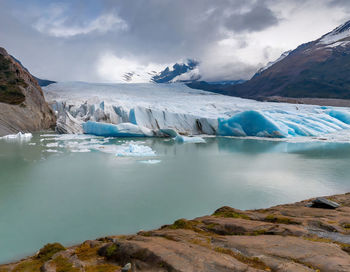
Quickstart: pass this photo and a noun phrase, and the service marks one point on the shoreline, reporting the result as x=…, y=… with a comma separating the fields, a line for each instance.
x=326, y=102
x=288, y=237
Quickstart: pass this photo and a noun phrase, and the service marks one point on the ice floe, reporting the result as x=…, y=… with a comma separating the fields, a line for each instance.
x=135, y=150
x=150, y=161
x=23, y=137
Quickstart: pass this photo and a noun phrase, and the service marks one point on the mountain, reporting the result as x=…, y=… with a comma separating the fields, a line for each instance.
x=284, y=55
x=179, y=72
x=44, y=82
x=318, y=69
x=22, y=104
x=214, y=86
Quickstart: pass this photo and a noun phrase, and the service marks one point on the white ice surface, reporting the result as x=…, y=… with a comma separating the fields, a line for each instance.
x=187, y=111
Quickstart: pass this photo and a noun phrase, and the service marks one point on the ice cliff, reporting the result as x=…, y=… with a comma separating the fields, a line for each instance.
x=145, y=110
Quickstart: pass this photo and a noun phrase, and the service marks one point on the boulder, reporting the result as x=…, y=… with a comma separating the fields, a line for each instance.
x=324, y=203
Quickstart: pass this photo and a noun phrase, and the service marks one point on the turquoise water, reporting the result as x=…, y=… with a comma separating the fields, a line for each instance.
x=50, y=192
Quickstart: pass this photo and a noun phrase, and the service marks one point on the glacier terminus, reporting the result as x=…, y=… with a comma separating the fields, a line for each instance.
x=171, y=110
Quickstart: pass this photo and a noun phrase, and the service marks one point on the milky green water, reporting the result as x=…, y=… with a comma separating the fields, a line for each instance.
x=50, y=194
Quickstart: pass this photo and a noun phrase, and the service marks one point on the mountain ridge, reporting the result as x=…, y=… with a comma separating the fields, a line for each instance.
x=316, y=69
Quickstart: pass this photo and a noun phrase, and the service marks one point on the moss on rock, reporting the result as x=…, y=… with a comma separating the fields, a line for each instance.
x=10, y=83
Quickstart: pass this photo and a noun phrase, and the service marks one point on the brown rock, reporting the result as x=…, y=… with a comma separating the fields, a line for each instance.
x=27, y=110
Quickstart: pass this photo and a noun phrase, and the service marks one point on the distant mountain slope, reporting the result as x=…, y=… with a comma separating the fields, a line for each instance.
x=41, y=82
x=215, y=86
x=22, y=104
x=318, y=69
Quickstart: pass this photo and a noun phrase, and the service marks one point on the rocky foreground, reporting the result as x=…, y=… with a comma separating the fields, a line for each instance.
x=293, y=237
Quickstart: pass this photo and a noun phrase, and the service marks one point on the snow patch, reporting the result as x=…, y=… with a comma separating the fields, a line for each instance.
x=269, y=64
x=337, y=34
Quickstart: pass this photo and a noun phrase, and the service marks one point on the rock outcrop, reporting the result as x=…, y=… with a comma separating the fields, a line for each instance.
x=22, y=103
x=293, y=237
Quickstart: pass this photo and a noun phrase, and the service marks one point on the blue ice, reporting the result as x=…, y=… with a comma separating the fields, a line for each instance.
x=249, y=123
x=340, y=115
x=110, y=130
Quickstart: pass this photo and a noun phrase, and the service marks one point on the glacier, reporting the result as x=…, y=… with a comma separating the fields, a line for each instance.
x=174, y=110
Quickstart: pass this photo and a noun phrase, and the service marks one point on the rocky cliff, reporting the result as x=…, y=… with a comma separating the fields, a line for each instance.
x=22, y=104
x=286, y=238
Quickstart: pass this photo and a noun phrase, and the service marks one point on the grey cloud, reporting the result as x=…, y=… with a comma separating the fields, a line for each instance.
x=257, y=18
x=158, y=31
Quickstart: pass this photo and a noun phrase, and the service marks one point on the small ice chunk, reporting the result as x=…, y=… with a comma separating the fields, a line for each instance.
x=18, y=137
x=51, y=150
x=187, y=139
x=52, y=145
x=134, y=150
x=83, y=150
x=182, y=139
x=150, y=161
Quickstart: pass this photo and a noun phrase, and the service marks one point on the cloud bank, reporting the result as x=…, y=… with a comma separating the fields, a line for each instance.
x=100, y=41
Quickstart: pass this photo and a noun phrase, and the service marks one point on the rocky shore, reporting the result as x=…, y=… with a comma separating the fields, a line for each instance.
x=292, y=237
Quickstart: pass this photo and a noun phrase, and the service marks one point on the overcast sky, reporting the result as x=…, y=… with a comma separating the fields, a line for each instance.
x=100, y=40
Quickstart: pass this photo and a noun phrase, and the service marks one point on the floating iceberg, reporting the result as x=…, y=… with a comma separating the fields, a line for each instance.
x=135, y=150
x=150, y=161
x=187, y=139
x=139, y=110
x=180, y=138
x=23, y=137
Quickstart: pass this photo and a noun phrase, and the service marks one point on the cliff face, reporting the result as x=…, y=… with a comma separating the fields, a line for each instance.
x=22, y=104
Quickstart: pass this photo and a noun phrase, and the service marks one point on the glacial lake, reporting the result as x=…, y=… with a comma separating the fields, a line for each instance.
x=70, y=188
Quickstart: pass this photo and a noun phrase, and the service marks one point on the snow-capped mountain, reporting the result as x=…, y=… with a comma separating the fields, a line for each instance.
x=269, y=64
x=179, y=72
x=338, y=37
x=318, y=69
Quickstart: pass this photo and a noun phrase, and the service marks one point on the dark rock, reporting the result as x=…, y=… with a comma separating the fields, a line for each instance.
x=324, y=203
